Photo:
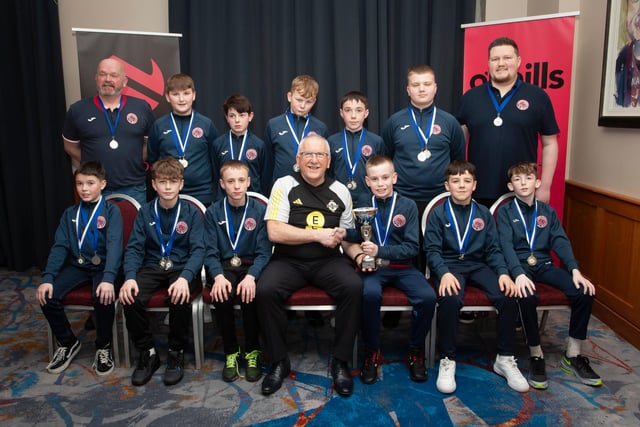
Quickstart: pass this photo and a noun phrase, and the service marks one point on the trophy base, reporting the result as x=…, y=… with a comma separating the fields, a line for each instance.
x=368, y=263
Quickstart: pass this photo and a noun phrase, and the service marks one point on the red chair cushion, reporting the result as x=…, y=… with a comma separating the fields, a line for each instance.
x=79, y=296
x=474, y=296
x=548, y=295
x=394, y=297
x=310, y=295
x=157, y=300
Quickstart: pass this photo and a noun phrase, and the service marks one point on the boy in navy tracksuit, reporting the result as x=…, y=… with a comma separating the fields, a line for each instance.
x=242, y=144
x=352, y=147
x=186, y=135
x=394, y=238
x=237, y=250
x=461, y=243
x=284, y=132
x=165, y=250
x=529, y=230
x=87, y=248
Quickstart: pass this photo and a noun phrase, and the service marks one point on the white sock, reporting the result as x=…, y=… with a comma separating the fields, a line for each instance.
x=536, y=351
x=573, y=347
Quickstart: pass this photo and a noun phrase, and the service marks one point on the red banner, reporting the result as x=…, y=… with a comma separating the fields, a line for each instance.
x=149, y=59
x=546, y=49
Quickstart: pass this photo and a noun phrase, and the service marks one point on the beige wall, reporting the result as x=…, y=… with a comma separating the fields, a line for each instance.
x=138, y=15
x=600, y=157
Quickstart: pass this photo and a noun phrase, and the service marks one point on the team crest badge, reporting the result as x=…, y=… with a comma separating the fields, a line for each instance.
x=132, y=118
x=399, y=221
x=436, y=129
x=366, y=150
x=197, y=132
x=522, y=105
x=542, y=221
x=250, y=224
x=478, y=224
x=182, y=227
x=101, y=222
x=251, y=154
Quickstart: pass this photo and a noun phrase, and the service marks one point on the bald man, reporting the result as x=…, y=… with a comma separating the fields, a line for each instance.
x=112, y=128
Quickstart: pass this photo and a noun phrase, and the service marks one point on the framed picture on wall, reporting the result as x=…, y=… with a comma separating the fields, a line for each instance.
x=620, y=87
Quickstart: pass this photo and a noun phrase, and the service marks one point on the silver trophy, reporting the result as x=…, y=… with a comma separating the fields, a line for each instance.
x=364, y=216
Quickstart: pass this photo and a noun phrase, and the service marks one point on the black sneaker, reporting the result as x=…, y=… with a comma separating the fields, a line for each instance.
x=147, y=365
x=417, y=370
x=62, y=357
x=103, y=361
x=391, y=319
x=174, y=371
x=369, y=371
x=537, y=373
x=580, y=367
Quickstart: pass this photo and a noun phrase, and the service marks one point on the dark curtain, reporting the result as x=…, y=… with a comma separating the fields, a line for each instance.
x=255, y=48
x=35, y=183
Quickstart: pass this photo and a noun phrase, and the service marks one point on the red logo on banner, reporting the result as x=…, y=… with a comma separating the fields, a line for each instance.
x=153, y=81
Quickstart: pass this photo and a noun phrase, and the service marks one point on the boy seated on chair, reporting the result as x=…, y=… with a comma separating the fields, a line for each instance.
x=529, y=230
x=461, y=243
x=165, y=250
x=87, y=250
x=394, y=239
x=237, y=250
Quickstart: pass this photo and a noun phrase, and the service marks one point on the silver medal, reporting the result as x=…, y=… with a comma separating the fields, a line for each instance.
x=184, y=162
x=296, y=168
x=235, y=261
x=168, y=265
x=96, y=260
x=424, y=155
x=113, y=144
x=497, y=121
x=162, y=262
x=80, y=260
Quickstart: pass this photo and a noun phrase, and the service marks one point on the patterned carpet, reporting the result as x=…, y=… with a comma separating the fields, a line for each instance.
x=29, y=396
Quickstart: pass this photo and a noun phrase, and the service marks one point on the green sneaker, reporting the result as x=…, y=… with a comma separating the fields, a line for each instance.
x=230, y=372
x=254, y=366
x=580, y=367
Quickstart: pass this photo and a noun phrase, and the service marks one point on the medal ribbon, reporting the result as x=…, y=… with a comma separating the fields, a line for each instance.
x=382, y=238
x=241, y=152
x=231, y=232
x=165, y=248
x=294, y=135
x=505, y=100
x=463, y=241
x=530, y=231
x=181, y=141
x=347, y=157
x=422, y=138
x=89, y=227
x=112, y=126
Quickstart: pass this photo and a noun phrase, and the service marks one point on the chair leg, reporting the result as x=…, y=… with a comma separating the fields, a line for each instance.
x=197, y=320
x=354, y=361
x=430, y=349
x=543, y=321
x=115, y=347
x=126, y=343
x=51, y=340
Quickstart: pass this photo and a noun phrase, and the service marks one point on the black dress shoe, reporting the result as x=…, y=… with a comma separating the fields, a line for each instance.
x=342, y=382
x=277, y=373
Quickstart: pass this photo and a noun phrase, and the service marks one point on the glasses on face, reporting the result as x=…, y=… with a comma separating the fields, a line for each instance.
x=319, y=156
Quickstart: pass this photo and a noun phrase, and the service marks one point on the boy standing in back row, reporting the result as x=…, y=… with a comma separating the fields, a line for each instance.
x=529, y=230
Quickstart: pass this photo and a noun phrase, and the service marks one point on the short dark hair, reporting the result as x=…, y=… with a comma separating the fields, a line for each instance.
x=239, y=103
x=357, y=96
x=503, y=41
x=92, y=167
x=377, y=160
x=459, y=167
x=180, y=81
x=168, y=168
x=233, y=164
x=527, y=168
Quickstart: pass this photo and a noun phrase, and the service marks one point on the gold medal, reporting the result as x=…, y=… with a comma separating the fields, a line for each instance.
x=532, y=260
x=96, y=260
x=162, y=262
x=168, y=265
x=184, y=162
x=235, y=261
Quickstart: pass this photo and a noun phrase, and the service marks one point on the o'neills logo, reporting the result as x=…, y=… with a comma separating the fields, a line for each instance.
x=182, y=227
x=536, y=73
x=478, y=224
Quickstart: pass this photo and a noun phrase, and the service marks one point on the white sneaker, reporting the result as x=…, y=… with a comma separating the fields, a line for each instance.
x=446, y=382
x=507, y=367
